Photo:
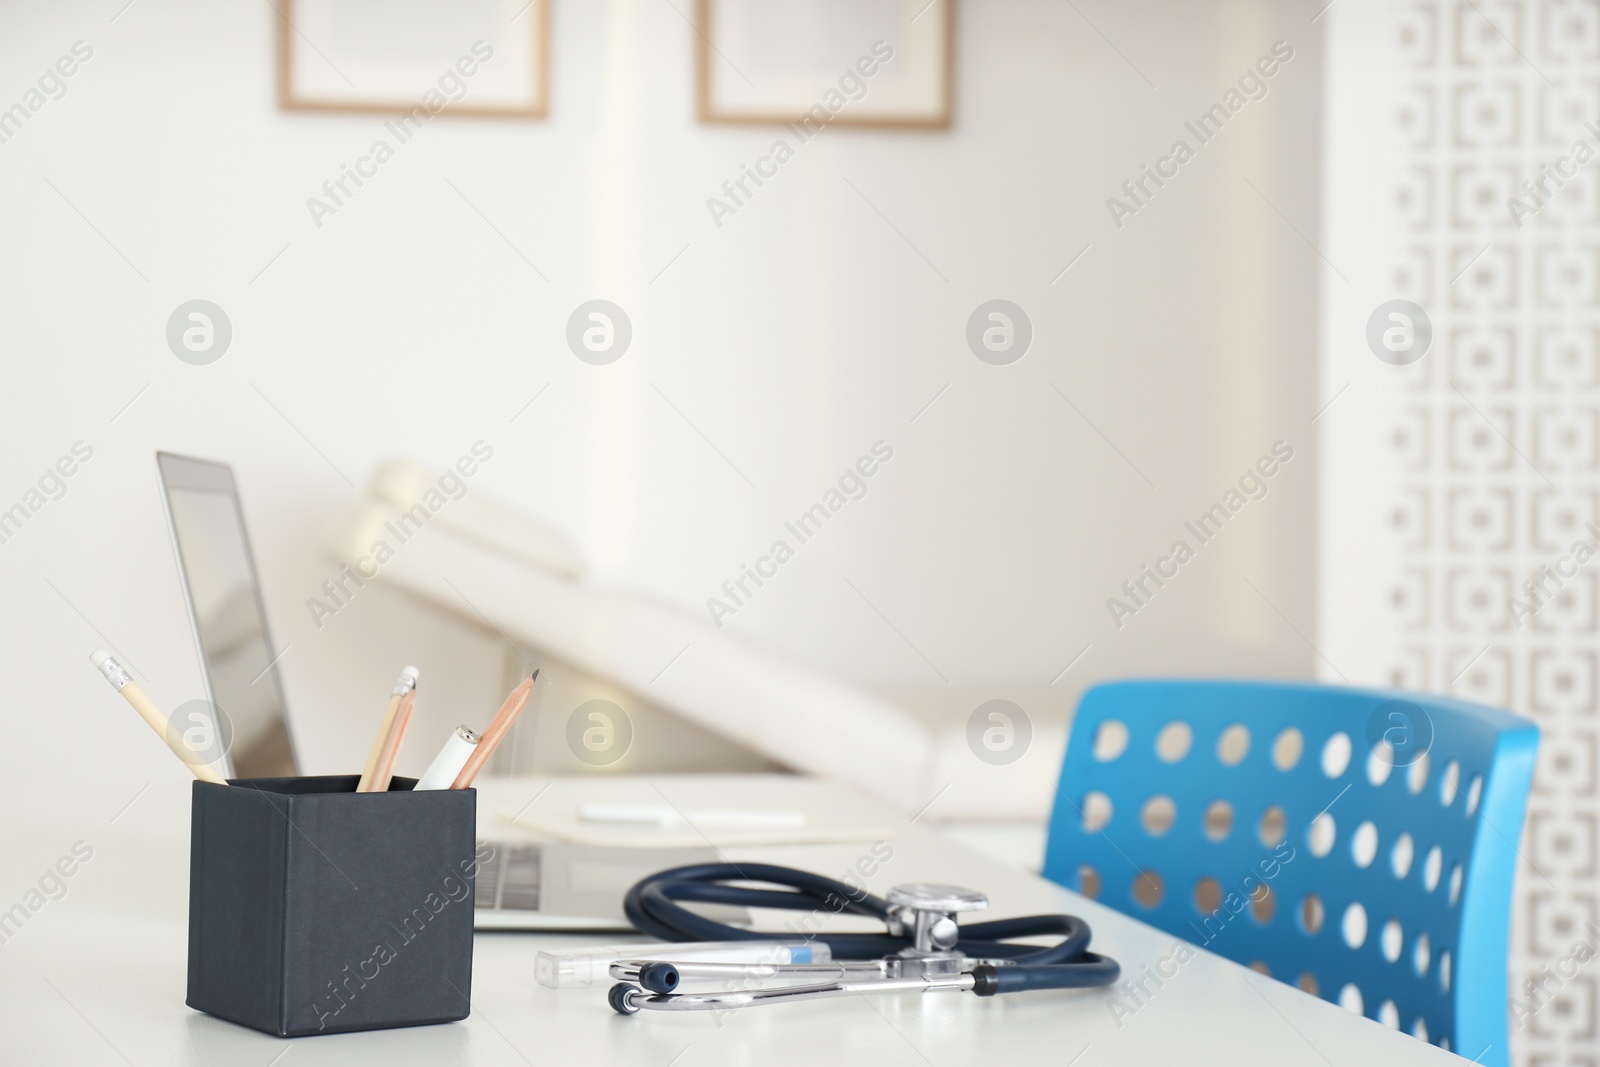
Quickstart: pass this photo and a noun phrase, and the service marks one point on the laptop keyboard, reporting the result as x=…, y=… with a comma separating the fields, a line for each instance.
x=509, y=879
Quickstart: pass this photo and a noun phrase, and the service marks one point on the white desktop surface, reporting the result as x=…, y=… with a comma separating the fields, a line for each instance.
x=97, y=976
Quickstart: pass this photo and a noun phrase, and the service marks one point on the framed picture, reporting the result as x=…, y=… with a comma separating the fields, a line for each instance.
x=453, y=57
x=811, y=63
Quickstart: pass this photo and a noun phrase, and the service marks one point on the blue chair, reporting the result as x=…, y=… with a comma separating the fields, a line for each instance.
x=1358, y=843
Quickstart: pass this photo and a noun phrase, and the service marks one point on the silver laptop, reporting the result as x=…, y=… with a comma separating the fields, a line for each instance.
x=524, y=885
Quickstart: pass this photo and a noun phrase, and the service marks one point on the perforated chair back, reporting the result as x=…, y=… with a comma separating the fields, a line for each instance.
x=1358, y=843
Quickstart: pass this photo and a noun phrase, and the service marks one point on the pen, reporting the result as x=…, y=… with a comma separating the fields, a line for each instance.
x=123, y=682
x=406, y=683
x=451, y=758
x=495, y=732
x=663, y=817
x=391, y=746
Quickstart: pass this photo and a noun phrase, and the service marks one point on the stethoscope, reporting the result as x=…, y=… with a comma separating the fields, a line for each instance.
x=924, y=949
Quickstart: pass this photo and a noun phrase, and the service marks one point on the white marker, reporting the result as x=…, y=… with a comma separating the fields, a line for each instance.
x=458, y=748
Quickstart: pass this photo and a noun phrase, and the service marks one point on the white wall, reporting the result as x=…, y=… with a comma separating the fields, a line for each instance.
x=802, y=331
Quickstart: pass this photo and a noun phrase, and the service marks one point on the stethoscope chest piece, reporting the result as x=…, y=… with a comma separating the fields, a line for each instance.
x=925, y=914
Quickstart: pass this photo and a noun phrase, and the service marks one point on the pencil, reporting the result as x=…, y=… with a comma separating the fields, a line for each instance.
x=123, y=682
x=391, y=747
x=406, y=683
x=495, y=732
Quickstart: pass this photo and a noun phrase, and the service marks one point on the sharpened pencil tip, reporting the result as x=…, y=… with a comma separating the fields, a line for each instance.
x=534, y=677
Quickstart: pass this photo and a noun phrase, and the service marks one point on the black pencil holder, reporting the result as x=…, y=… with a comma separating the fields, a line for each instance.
x=314, y=909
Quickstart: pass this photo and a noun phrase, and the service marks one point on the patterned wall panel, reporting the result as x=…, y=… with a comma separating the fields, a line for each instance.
x=1490, y=445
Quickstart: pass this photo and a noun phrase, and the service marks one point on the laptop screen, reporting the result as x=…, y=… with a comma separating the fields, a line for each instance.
x=225, y=607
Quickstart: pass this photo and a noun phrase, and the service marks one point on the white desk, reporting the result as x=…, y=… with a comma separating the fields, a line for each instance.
x=97, y=977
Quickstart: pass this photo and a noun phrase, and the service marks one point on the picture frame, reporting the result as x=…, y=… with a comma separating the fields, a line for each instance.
x=363, y=56
x=771, y=62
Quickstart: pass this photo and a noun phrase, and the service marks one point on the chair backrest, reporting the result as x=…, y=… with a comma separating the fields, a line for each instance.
x=1358, y=843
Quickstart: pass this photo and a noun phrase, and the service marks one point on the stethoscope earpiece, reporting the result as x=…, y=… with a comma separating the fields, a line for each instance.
x=659, y=977
x=621, y=998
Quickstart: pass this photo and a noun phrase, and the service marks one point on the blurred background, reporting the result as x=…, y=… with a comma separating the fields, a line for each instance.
x=986, y=265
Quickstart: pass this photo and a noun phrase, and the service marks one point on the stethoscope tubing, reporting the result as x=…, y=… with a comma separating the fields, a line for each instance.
x=654, y=908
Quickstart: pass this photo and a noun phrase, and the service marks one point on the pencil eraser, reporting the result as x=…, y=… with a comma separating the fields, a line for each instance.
x=99, y=656
x=410, y=672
